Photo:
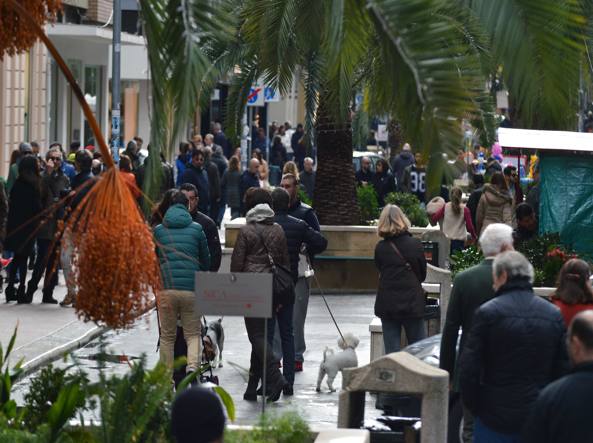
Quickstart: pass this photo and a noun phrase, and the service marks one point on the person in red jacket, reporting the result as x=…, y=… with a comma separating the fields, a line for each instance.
x=574, y=293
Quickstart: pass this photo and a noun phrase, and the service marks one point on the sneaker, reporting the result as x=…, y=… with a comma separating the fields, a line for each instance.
x=298, y=366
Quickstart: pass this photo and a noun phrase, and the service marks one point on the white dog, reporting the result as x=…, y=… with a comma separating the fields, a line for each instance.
x=334, y=363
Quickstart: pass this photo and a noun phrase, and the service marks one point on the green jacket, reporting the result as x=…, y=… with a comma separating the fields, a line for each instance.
x=13, y=174
x=182, y=249
x=471, y=289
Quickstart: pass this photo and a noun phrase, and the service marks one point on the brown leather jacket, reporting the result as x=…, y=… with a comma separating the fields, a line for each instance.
x=249, y=254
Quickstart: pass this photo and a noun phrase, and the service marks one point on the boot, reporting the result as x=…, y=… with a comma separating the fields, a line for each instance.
x=10, y=293
x=68, y=300
x=23, y=296
x=48, y=297
x=276, y=388
x=250, y=392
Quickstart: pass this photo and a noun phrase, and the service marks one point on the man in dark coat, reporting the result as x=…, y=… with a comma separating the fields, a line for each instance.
x=401, y=162
x=213, y=183
x=526, y=224
x=298, y=233
x=475, y=196
x=197, y=176
x=515, y=348
x=297, y=144
x=471, y=289
x=221, y=140
x=364, y=175
x=298, y=209
x=307, y=178
x=563, y=412
x=249, y=179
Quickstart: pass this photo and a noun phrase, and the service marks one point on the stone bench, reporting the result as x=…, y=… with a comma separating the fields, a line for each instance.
x=397, y=373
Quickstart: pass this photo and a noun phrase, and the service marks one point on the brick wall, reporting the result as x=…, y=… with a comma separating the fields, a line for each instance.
x=99, y=10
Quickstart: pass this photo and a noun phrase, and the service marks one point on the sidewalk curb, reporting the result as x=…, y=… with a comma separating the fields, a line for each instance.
x=59, y=351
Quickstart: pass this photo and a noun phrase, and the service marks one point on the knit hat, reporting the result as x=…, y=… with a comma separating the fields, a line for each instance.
x=197, y=416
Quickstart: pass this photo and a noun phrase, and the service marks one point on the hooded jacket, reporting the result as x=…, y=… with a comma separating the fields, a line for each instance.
x=400, y=163
x=249, y=254
x=182, y=249
x=495, y=206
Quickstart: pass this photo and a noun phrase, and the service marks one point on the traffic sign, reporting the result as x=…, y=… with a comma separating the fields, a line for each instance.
x=256, y=96
x=271, y=94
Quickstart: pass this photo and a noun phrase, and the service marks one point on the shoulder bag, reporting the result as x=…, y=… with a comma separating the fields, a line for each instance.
x=282, y=282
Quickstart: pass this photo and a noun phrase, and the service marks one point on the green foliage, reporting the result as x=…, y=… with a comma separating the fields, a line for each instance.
x=8, y=409
x=44, y=391
x=467, y=258
x=410, y=205
x=360, y=129
x=547, y=254
x=304, y=197
x=368, y=204
x=287, y=428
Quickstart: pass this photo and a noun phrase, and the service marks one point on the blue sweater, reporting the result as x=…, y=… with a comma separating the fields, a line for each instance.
x=182, y=249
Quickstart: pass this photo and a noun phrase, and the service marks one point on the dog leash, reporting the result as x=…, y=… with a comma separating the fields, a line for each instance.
x=326, y=303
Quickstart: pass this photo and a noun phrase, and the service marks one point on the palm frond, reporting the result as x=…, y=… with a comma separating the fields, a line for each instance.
x=539, y=43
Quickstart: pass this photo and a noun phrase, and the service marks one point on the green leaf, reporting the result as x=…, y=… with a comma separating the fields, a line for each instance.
x=227, y=401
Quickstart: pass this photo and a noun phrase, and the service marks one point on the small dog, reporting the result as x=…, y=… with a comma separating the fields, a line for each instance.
x=214, y=342
x=334, y=363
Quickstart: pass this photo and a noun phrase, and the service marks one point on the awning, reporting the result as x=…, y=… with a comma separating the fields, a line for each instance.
x=545, y=140
x=91, y=34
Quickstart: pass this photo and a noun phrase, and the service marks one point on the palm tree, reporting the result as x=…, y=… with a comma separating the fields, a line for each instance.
x=426, y=61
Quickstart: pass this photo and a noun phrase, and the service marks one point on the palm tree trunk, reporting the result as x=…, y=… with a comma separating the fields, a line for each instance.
x=335, y=185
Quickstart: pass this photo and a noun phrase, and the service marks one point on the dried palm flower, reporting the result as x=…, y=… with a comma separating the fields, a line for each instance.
x=18, y=35
x=115, y=267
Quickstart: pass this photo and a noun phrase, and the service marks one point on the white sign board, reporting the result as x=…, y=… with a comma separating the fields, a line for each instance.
x=382, y=133
x=256, y=96
x=234, y=294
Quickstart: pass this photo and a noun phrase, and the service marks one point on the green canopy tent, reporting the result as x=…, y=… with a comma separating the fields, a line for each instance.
x=566, y=182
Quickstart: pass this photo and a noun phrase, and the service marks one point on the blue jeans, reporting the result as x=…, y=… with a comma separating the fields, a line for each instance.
x=284, y=317
x=483, y=434
x=457, y=245
x=392, y=332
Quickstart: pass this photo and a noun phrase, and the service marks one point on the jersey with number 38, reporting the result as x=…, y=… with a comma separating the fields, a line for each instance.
x=418, y=182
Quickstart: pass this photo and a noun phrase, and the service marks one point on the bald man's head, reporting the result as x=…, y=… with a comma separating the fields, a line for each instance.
x=580, y=337
x=253, y=165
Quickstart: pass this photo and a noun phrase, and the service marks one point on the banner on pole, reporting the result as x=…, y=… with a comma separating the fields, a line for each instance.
x=271, y=94
x=234, y=294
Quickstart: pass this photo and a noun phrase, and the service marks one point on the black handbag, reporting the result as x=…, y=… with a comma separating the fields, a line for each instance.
x=282, y=281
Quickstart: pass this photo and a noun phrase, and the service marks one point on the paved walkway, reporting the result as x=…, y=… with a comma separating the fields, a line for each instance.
x=320, y=410
x=44, y=331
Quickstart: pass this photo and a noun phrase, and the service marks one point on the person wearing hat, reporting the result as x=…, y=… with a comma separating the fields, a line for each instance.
x=197, y=417
x=25, y=149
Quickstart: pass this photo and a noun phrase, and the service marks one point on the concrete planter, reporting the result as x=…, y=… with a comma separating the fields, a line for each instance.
x=347, y=263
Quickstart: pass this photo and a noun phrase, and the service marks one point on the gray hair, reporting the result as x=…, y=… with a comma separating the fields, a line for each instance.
x=308, y=160
x=514, y=264
x=495, y=237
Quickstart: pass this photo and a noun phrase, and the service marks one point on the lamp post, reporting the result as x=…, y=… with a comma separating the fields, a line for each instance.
x=115, y=81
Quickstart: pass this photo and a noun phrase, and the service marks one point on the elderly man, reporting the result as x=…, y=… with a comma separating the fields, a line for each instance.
x=364, y=175
x=562, y=411
x=515, y=348
x=471, y=289
x=307, y=178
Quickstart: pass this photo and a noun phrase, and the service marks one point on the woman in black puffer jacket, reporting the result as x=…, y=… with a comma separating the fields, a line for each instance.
x=400, y=301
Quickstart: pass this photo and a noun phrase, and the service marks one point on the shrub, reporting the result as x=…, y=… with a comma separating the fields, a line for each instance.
x=368, y=204
x=304, y=197
x=410, y=205
x=287, y=428
x=461, y=260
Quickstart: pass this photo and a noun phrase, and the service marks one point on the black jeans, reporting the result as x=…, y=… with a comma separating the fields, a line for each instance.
x=284, y=318
x=19, y=264
x=46, y=262
x=257, y=337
